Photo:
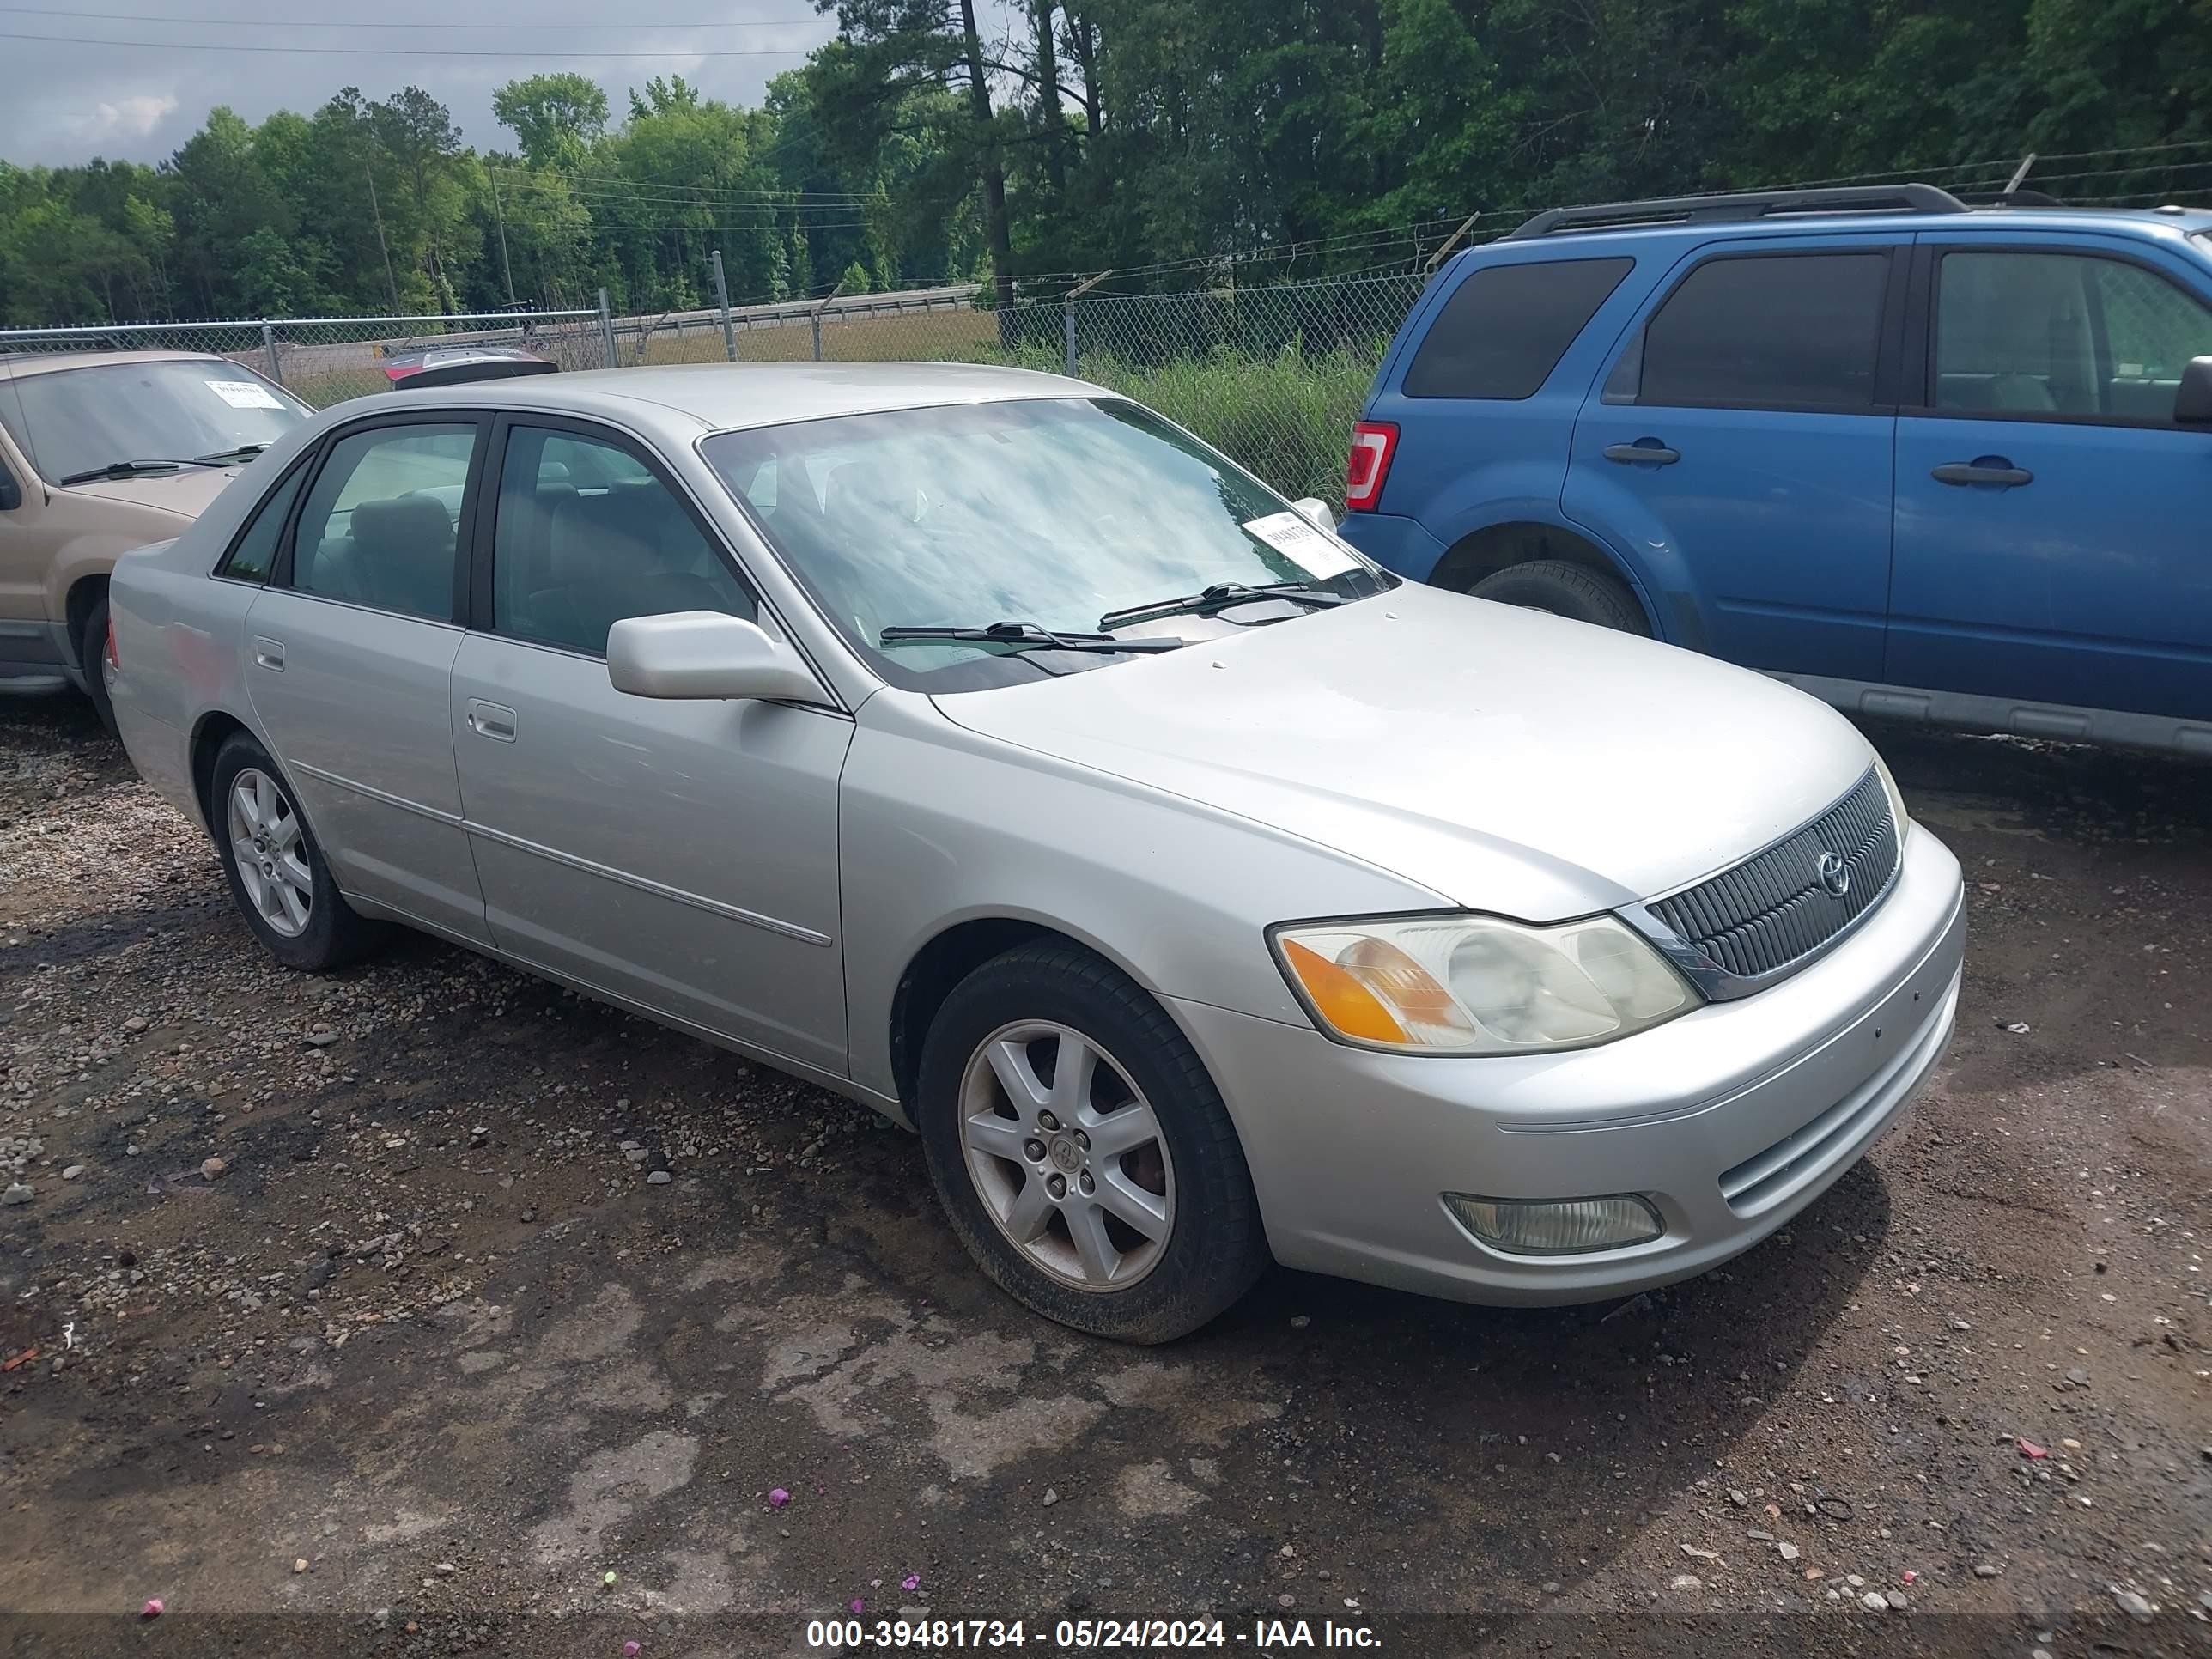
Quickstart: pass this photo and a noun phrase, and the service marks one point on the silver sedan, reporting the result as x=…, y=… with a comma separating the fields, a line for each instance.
x=980, y=745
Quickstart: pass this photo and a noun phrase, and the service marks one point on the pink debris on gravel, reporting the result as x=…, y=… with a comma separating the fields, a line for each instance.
x=631, y=1650
x=777, y=1498
x=153, y=1610
x=857, y=1605
x=2029, y=1449
x=911, y=1582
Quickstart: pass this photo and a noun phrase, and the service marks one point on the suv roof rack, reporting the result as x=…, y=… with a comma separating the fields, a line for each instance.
x=1738, y=205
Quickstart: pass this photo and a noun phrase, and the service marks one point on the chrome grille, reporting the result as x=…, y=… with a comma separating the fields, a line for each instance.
x=1772, y=912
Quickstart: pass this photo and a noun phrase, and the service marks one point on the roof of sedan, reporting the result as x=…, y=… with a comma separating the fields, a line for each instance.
x=721, y=396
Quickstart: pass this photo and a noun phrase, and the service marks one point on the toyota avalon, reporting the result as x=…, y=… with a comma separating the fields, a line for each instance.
x=982, y=746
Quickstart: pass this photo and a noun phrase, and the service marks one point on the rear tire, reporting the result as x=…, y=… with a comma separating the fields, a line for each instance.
x=1143, y=1136
x=91, y=660
x=1566, y=590
x=278, y=876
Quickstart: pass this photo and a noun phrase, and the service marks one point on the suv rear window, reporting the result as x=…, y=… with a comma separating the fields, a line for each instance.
x=1794, y=330
x=1506, y=326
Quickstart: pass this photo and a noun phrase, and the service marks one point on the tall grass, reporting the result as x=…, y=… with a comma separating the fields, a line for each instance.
x=1286, y=417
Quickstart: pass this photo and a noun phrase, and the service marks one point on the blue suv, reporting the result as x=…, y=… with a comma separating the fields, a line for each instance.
x=1923, y=459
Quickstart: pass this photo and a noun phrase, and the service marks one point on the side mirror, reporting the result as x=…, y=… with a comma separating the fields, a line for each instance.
x=2192, y=403
x=1315, y=511
x=705, y=654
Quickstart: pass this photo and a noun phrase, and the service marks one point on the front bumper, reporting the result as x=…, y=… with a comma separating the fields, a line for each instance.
x=1730, y=1120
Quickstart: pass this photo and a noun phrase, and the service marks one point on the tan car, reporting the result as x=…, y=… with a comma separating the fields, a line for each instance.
x=102, y=451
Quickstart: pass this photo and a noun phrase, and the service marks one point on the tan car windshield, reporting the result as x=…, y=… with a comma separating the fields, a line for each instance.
x=71, y=421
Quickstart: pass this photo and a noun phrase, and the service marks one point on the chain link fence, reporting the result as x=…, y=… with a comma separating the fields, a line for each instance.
x=325, y=360
x=1272, y=376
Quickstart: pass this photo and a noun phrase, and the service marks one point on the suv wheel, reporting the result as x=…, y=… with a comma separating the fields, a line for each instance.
x=1082, y=1151
x=1566, y=590
x=92, y=659
x=278, y=876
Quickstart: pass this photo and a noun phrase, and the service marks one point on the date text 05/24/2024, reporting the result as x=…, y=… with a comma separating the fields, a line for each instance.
x=1263, y=1637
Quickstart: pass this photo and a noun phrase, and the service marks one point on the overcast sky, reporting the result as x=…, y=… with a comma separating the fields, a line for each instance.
x=69, y=101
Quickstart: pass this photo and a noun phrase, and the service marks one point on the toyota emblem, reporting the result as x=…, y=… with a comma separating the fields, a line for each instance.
x=1835, y=875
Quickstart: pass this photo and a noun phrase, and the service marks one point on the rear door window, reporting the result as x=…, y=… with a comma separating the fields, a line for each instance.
x=1796, y=331
x=380, y=525
x=1504, y=329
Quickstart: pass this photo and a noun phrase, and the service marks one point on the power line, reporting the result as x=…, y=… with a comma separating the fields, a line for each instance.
x=678, y=196
x=289, y=22
x=2003, y=165
x=409, y=52
x=617, y=179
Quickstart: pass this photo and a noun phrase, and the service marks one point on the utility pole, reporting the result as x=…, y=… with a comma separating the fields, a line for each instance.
x=1068, y=319
x=390, y=286
x=722, y=304
x=1450, y=241
x=500, y=215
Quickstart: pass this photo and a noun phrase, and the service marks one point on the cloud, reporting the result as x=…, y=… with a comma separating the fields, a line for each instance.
x=67, y=101
x=126, y=120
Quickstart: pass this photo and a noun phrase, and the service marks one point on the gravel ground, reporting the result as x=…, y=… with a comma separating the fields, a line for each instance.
x=429, y=1307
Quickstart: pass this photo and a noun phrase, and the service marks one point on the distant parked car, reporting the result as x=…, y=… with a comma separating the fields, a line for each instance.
x=99, y=452
x=1925, y=459
x=458, y=365
x=982, y=746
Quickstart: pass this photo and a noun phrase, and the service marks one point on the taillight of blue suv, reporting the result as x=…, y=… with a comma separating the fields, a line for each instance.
x=1373, y=443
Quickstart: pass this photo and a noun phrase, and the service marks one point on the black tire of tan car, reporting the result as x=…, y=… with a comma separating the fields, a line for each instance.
x=1566, y=590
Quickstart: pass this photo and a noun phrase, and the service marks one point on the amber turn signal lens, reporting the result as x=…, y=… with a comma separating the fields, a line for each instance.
x=1349, y=1007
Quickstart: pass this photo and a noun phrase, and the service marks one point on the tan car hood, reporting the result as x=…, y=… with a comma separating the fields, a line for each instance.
x=187, y=492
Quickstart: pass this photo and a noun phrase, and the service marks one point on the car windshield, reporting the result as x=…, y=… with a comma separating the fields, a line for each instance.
x=1050, y=512
x=69, y=420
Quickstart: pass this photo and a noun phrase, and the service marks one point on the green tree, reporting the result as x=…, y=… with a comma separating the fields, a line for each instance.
x=556, y=117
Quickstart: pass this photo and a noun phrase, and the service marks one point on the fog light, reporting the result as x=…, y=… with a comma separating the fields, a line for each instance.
x=1566, y=1226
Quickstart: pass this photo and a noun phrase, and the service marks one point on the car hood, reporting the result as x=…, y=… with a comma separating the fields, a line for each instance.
x=1504, y=759
x=187, y=492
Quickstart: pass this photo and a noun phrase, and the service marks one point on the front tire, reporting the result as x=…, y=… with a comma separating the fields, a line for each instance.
x=278, y=876
x=1566, y=590
x=92, y=661
x=1080, y=1150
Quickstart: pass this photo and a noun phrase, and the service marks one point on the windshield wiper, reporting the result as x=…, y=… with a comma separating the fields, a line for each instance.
x=224, y=457
x=141, y=469
x=1026, y=636
x=1219, y=597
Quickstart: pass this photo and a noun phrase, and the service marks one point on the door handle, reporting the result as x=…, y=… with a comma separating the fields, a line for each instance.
x=491, y=720
x=269, y=653
x=1644, y=452
x=1990, y=470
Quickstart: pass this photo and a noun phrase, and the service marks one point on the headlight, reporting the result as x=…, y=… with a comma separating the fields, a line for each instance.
x=1897, y=813
x=1478, y=984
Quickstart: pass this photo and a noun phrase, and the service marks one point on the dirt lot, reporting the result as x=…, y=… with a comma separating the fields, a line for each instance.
x=436, y=1359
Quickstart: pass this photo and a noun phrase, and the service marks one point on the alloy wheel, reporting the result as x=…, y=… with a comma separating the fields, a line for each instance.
x=1067, y=1155
x=265, y=844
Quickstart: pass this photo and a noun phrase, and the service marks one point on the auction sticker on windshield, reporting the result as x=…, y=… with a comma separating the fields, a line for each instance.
x=245, y=394
x=1289, y=534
